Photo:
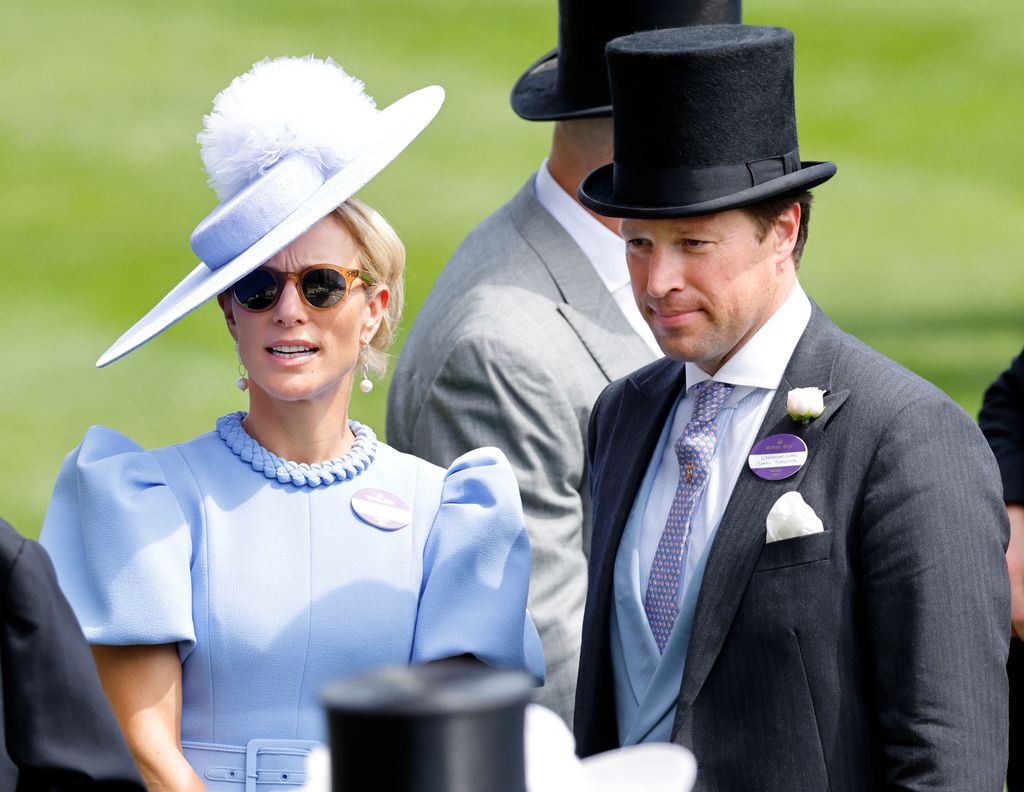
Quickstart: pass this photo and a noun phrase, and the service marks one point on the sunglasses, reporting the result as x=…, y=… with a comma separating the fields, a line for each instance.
x=321, y=286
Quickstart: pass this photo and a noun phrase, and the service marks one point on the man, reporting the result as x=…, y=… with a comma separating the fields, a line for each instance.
x=56, y=728
x=1002, y=422
x=807, y=604
x=533, y=317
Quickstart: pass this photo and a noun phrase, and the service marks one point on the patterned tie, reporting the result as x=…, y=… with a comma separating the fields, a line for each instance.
x=695, y=449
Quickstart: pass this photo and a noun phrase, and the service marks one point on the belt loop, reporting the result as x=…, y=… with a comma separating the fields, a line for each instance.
x=252, y=752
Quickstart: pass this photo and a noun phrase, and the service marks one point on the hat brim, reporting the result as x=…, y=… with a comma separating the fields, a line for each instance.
x=535, y=95
x=653, y=767
x=397, y=126
x=597, y=193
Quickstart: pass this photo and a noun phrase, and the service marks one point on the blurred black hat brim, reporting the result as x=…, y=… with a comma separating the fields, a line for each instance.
x=597, y=193
x=535, y=96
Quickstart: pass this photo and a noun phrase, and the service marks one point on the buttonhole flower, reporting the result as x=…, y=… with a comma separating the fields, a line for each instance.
x=805, y=404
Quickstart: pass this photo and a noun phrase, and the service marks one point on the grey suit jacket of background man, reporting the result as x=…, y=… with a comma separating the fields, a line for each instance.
x=867, y=657
x=516, y=340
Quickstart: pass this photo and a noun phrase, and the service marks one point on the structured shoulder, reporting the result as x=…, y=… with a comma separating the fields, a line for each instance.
x=11, y=545
x=405, y=465
x=496, y=249
x=498, y=335
x=871, y=391
x=114, y=520
x=880, y=385
x=478, y=463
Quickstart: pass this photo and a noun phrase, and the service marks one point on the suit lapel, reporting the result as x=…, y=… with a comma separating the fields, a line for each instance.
x=626, y=440
x=741, y=532
x=586, y=303
x=648, y=399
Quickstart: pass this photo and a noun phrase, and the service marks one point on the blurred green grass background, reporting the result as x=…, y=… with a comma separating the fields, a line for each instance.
x=915, y=246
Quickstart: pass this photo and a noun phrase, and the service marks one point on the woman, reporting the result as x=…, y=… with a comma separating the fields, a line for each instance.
x=222, y=581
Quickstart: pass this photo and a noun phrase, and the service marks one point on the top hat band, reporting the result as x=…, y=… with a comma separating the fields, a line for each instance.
x=683, y=186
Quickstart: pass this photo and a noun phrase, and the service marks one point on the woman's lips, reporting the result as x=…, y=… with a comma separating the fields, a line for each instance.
x=292, y=351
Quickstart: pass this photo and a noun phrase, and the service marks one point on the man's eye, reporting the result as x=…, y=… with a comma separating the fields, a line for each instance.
x=636, y=244
x=693, y=243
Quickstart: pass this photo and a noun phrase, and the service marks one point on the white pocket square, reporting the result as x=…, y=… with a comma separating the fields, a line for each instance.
x=791, y=517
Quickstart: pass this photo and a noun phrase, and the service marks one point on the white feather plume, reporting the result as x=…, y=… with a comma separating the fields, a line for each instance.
x=280, y=108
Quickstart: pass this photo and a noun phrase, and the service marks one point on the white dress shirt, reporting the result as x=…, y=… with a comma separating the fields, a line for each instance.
x=605, y=250
x=756, y=370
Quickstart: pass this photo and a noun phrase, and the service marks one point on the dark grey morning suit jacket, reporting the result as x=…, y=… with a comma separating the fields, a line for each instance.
x=867, y=657
x=57, y=732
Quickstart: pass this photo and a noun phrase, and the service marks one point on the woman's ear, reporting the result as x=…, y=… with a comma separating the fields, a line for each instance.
x=376, y=305
x=227, y=305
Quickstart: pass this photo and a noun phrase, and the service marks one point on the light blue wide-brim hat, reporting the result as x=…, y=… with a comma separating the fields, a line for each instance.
x=286, y=144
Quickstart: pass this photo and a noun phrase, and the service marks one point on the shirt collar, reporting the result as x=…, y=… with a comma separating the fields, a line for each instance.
x=762, y=361
x=605, y=250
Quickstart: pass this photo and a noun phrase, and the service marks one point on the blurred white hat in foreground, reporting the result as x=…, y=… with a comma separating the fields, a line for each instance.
x=552, y=764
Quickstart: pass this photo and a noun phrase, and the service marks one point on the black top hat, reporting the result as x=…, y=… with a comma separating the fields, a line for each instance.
x=454, y=726
x=704, y=122
x=572, y=81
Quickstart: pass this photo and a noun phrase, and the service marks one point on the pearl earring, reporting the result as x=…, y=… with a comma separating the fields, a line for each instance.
x=366, y=385
x=243, y=376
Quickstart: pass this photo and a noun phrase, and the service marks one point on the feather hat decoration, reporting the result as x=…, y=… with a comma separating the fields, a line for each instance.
x=277, y=110
x=286, y=143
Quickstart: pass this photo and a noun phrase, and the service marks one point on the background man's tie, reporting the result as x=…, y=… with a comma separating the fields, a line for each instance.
x=695, y=449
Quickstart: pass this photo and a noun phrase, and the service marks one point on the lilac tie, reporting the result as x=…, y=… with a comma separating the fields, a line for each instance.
x=695, y=449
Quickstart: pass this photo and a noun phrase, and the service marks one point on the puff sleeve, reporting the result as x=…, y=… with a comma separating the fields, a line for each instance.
x=477, y=570
x=121, y=544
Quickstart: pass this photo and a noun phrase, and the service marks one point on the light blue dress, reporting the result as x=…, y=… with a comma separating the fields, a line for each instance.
x=271, y=584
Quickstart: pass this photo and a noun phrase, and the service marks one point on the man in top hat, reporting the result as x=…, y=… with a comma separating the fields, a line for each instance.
x=533, y=316
x=806, y=588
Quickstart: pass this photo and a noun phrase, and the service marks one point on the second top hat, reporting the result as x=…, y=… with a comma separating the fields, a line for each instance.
x=705, y=121
x=572, y=80
x=455, y=726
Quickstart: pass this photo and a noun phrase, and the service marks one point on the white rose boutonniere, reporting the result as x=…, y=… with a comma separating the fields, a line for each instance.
x=805, y=404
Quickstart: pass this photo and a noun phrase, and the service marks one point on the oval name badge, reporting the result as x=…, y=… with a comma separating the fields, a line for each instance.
x=777, y=456
x=381, y=509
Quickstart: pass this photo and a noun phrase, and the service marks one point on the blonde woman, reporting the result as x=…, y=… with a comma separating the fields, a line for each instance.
x=223, y=580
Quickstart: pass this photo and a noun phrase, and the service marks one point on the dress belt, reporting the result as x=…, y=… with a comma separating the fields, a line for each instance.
x=262, y=765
